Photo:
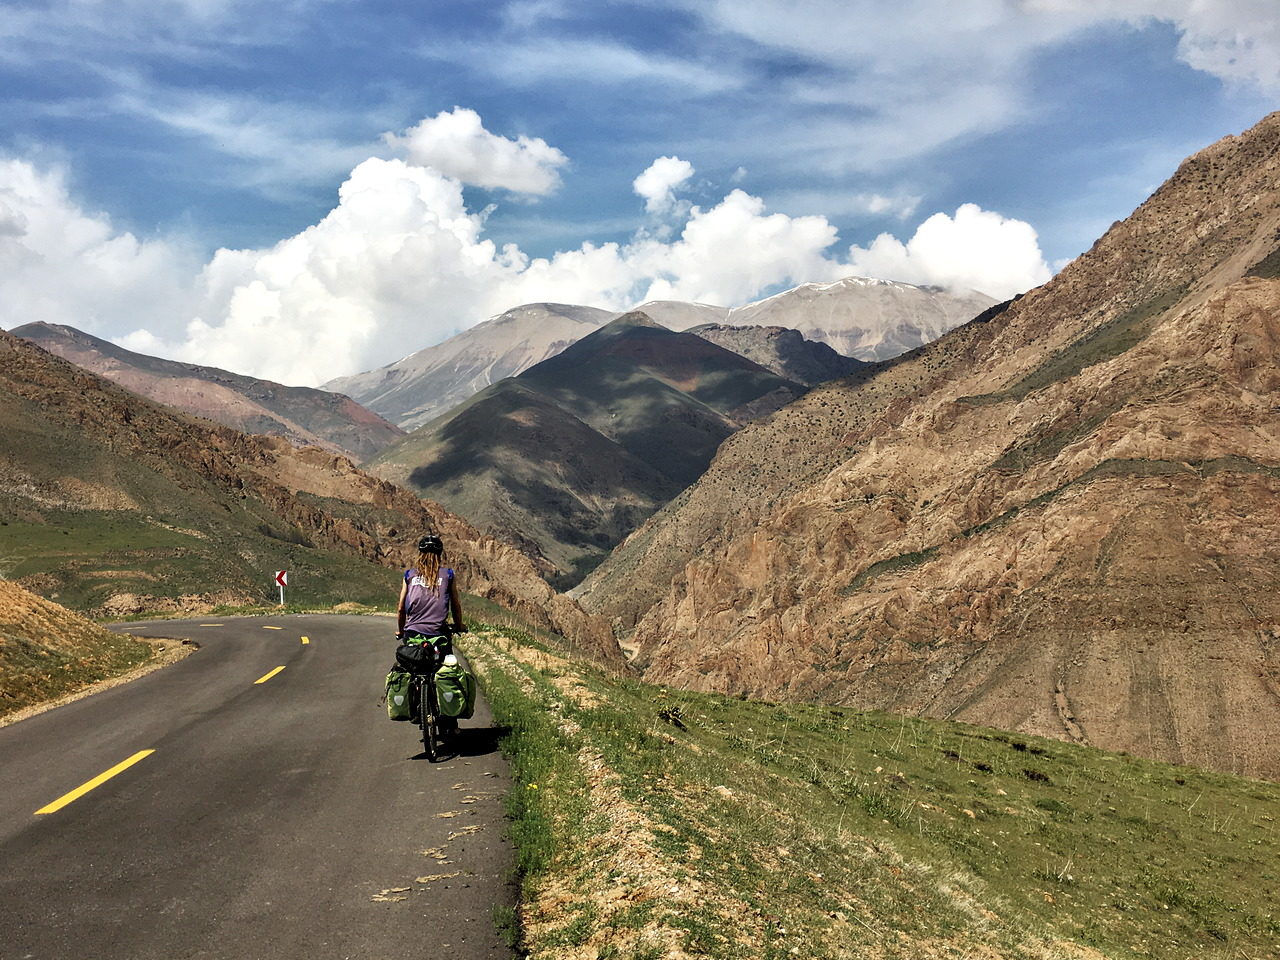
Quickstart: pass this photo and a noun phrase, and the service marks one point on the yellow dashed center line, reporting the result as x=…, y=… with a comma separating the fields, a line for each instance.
x=273, y=628
x=306, y=639
x=264, y=679
x=213, y=624
x=97, y=781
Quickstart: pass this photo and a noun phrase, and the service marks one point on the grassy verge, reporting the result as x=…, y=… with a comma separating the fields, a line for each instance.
x=33, y=672
x=47, y=652
x=657, y=823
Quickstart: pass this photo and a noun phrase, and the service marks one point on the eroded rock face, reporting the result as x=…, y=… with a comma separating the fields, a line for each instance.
x=1064, y=520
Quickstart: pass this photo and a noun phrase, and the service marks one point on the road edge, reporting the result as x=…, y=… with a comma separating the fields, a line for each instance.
x=165, y=651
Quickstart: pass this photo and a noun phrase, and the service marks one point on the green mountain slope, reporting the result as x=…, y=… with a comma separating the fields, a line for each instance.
x=571, y=455
x=655, y=822
x=110, y=503
x=590, y=490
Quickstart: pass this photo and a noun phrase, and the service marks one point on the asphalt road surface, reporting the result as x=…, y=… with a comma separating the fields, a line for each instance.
x=286, y=818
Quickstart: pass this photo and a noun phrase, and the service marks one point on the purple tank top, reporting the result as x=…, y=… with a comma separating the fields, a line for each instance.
x=426, y=608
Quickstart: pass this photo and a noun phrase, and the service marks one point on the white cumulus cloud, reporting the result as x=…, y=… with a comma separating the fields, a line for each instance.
x=729, y=253
x=657, y=185
x=457, y=144
x=61, y=264
x=976, y=248
x=401, y=263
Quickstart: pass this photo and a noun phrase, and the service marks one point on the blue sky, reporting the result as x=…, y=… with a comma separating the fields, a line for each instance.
x=170, y=171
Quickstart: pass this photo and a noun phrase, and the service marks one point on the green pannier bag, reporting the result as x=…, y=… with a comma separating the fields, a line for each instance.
x=455, y=692
x=397, y=694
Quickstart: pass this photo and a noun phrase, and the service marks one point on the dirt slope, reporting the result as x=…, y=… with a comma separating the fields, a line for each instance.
x=46, y=650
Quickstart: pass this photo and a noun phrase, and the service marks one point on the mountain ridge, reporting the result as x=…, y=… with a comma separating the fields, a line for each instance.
x=305, y=416
x=420, y=387
x=571, y=454
x=414, y=390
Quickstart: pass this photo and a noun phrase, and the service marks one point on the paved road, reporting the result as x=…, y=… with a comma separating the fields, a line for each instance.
x=273, y=819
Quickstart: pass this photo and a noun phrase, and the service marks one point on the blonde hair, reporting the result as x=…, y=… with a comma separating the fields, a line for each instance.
x=428, y=568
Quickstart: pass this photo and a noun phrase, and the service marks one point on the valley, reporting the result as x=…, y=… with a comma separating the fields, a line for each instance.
x=114, y=505
x=849, y=435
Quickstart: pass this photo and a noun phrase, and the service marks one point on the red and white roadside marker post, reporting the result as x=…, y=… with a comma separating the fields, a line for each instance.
x=282, y=580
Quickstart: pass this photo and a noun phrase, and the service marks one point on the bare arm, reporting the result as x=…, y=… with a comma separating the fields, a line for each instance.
x=404, y=589
x=456, y=606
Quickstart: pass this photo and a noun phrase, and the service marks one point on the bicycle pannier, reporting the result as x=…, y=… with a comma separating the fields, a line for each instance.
x=397, y=694
x=455, y=691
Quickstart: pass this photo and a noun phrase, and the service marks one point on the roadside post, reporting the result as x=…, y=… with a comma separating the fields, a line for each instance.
x=282, y=580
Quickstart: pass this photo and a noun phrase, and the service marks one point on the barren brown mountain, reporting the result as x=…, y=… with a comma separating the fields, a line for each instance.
x=1062, y=518
x=104, y=494
x=302, y=415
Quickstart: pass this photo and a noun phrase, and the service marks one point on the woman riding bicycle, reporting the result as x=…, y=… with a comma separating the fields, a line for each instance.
x=427, y=596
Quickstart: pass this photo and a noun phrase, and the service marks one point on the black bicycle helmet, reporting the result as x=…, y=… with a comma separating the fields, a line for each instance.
x=430, y=544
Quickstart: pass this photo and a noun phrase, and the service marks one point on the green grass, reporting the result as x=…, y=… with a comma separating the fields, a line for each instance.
x=32, y=671
x=80, y=558
x=1268, y=267
x=1099, y=345
x=842, y=832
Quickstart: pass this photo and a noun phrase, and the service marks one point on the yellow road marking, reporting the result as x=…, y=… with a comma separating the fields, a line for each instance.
x=273, y=628
x=97, y=781
x=213, y=624
x=306, y=639
x=269, y=675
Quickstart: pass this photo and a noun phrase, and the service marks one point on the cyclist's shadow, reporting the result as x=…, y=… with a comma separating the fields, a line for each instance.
x=471, y=742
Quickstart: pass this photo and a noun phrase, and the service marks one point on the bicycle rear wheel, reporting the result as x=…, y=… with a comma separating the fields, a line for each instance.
x=428, y=720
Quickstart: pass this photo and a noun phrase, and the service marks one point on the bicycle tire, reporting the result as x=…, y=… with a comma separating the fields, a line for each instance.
x=428, y=720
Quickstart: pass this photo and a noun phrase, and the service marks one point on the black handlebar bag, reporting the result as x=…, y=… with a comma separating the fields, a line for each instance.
x=420, y=654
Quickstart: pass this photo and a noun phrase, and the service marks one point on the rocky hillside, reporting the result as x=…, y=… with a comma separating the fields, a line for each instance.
x=1063, y=518
x=107, y=499
x=571, y=455
x=302, y=415
x=434, y=380
x=784, y=352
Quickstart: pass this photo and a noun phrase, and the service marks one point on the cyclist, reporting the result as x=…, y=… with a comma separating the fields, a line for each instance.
x=428, y=595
